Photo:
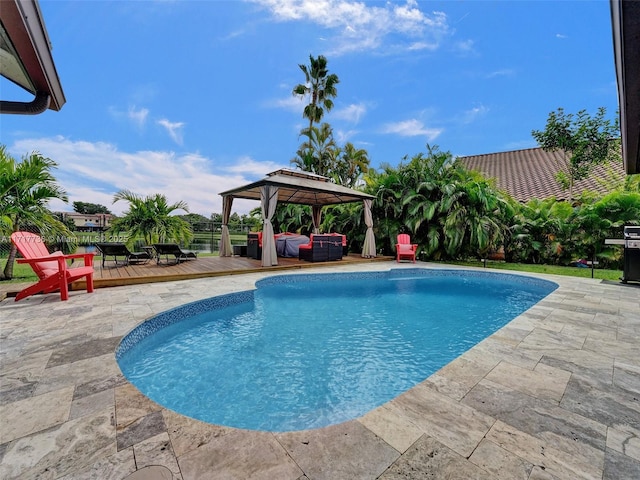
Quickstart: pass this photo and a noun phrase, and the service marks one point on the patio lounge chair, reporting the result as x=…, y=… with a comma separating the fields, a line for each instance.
x=405, y=249
x=169, y=249
x=51, y=268
x=116, y=250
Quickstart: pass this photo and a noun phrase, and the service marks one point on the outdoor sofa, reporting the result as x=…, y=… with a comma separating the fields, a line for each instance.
x=323, y=248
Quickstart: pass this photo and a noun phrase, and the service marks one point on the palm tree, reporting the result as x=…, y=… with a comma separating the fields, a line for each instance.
x=150, y=218
x=25, y=190
x=318, y=154
x=351, y=164
x=319, y=86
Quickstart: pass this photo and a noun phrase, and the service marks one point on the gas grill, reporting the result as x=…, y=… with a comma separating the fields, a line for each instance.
x=631, y=239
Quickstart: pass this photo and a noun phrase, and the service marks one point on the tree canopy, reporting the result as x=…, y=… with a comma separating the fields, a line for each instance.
x=89, y=208
x=585, y=141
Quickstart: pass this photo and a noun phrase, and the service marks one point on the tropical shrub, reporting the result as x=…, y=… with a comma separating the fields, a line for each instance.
x=150, y=219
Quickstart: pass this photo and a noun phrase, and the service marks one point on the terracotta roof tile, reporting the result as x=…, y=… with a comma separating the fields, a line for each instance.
x=530, y=173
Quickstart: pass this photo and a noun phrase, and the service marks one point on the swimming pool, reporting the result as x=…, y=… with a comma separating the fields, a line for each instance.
x=308, y=351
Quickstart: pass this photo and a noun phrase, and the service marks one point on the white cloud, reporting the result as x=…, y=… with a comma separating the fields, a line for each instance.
x=351, y=113
x=561, y=35
x=505, y=72
x=94, y=171
x=290, y=103
x=174, y=129
x=344, y=136
x=472, y=114
x=138, y=117
x=465, y=46
x=412, y=128
x=359, y=27
x=250, y=166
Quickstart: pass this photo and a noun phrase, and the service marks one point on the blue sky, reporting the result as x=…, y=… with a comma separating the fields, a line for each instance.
x=191, y=98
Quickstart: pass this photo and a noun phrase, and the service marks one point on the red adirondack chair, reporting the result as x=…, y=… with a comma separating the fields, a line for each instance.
x=51, y=268
x=405, y=249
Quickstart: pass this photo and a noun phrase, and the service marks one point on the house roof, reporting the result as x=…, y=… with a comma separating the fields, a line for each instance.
x=625, y=23
x=301, y=188
x=530, y=173
x=25, y=51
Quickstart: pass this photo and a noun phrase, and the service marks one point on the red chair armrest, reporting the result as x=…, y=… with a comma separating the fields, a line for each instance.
x=88, y=257
x=62, y=264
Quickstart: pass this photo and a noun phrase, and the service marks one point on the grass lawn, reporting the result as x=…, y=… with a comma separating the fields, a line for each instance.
x=599, y=273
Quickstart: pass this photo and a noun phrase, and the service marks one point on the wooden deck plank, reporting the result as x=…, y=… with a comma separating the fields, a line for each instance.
x=112, y=275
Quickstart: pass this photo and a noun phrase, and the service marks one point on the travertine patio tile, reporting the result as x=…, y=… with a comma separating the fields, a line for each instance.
x=157, y=451
x=187, y=434
x=240, y=454
x=546, y=339
x=461, y=375
x=348, y=450
x=20, y=376
x=593, y=367
x=58, y=451
x=626, y=349
x=454, y=424
x=96, y=386
x=627, y=376
x=34, y=414
x=618, y=466
x=565, y=430
x=428, y=458
x=112, y=467
x=93, y=347
x=537, y=452
x=92, y=403
x=626, y=441
x=140, y=430
x=392, y=427
x=544, y=382
x=500, y=463
x=132, y=405
x=82, y=371
x=539, y=473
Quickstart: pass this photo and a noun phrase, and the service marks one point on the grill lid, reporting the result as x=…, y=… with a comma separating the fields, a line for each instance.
x=631, y=231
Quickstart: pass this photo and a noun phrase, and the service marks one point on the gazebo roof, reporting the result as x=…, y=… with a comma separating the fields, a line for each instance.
x=299, y=187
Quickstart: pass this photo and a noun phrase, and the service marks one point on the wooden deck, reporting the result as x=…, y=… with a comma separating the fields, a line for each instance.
x=111, y=275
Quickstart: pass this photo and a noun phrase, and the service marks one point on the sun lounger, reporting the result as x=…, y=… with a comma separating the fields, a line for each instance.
x=167, y=250
x=116, y=250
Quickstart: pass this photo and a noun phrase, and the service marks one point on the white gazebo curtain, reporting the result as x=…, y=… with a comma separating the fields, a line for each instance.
x=225, y=239
x=268, y=200
x=316, y=218
x=369, y=247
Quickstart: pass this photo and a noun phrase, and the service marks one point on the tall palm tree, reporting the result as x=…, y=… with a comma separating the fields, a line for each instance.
x=319, y=86
x=25, y=190
x=150, y=218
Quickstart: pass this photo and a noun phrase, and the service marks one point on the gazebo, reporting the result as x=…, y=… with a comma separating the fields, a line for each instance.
x=293, y=186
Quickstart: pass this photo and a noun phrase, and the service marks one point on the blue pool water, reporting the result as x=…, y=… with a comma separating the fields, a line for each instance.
x=307, y=351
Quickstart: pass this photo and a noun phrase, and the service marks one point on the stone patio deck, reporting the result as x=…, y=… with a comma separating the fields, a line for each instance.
x=555, y=394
